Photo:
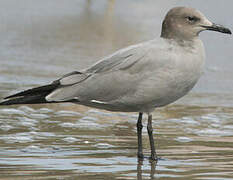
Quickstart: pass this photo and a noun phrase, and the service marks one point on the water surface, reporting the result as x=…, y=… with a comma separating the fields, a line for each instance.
x=42, y=40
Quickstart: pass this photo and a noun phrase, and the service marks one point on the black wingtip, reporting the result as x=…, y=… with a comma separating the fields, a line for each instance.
x=8, y=97
x=38, y=99
x=36, y=91
x=31, y=96
x=3, y=103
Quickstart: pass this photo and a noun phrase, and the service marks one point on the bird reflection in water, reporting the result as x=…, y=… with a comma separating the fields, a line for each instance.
x=153, y=165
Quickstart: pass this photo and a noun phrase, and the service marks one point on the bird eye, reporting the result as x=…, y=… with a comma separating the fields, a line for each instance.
x=191, y=19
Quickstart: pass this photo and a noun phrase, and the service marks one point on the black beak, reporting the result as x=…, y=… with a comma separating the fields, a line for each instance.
x=219, y=28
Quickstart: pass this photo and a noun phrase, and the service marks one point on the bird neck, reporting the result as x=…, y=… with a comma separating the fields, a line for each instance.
x=185, y=43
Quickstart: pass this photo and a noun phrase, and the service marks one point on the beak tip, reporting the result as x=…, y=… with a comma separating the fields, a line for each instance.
x=219, y=28
x=227, y=31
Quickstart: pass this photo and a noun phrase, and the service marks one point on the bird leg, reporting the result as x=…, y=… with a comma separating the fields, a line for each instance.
x=139, y=133
x=150, y=133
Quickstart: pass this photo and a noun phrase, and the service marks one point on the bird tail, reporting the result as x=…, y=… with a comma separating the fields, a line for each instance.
x=31, y=96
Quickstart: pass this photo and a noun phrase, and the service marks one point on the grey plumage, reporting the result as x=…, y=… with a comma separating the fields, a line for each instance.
x=138, y=78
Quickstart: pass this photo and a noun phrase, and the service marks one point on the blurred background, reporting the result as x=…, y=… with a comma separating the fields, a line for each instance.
x=43, y=40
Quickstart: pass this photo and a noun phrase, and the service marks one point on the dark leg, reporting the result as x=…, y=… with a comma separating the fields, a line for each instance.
x=139, y=132
x=139, y=169
x=152, y=169
x=150, y=133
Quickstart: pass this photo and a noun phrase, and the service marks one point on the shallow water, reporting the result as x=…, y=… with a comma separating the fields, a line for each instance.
x=42, y=40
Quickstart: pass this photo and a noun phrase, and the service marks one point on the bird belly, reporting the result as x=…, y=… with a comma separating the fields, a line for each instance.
x=163, y=89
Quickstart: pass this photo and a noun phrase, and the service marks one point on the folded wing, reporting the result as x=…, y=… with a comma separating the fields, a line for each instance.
x=65, y=89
